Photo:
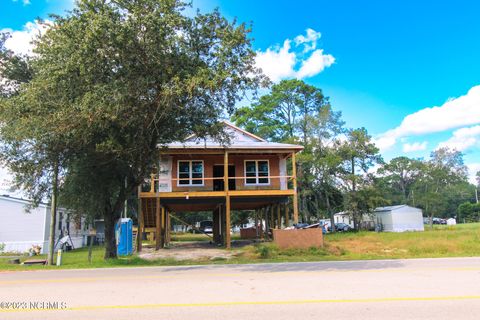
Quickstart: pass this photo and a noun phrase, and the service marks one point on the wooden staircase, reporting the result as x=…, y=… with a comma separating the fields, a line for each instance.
x=149, y=208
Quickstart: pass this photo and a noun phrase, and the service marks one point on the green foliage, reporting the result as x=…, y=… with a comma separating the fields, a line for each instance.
x=398, y=178
x=266, y=250
x=15, y=69
x=295, y=112
x=286, y=113
x=239, y=218
x=359, y=154
x=437, y=185
x=439, y=176
x=469, y=212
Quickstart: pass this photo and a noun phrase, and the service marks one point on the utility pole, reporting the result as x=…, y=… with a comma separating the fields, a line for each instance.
x=53, y=215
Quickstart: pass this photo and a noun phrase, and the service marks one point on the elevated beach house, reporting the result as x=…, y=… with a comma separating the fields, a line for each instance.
x=203, y=175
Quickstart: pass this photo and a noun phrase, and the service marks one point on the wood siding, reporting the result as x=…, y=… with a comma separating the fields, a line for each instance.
x=238, y=161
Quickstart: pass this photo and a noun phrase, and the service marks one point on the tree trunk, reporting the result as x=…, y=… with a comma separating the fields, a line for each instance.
x=110, y=215
x=354, y=218
x=110, y=241
x=53, y=216
x=430, y=215
x=330, y=213
x=354, y=187
x=90, y=244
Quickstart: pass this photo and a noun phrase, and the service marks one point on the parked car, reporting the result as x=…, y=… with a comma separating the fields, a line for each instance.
x=206, y=226
x=341, y=227
x=437, y=221
x=208, y=230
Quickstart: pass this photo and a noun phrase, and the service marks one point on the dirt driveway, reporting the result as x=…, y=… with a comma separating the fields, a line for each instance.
x=198, y=250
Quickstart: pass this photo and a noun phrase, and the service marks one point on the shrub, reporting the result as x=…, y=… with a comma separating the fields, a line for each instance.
x=266, y=251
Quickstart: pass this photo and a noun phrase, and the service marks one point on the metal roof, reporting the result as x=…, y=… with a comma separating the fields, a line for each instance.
x=239, y=139
x=391, y=208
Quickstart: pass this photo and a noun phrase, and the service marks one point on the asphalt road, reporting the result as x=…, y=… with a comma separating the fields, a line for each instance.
x=387, y=289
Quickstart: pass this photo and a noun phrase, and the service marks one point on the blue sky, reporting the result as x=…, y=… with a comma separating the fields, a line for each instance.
x=405, y=70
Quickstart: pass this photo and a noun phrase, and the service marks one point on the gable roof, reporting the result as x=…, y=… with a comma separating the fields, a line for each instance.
x=239, y=139
x=237, y=133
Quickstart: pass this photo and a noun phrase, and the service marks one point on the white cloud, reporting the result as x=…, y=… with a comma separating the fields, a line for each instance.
x=20, y=41
x=25, y=2
x=277, y=63
x=463, y=138
x=281, y=62
x=454, y=113
x=315, y=64
x=416, y=146
x=310, y=40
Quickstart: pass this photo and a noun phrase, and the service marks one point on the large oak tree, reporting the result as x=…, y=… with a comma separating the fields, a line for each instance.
x=112, y=81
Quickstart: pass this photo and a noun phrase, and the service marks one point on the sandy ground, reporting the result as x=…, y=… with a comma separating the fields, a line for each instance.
x=197, y=250
x=383, y=289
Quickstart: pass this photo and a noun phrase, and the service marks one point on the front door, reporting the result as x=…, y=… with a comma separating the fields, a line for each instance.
x=218, y=184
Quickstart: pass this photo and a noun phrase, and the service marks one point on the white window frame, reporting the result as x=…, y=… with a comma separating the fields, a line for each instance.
x=256, y=177
x=190, y=184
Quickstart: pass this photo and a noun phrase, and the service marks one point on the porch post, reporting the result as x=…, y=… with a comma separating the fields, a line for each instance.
x=158, y=227
x=222, y=226
x=152, y=183
x=279, y=217
x=272, y=216
x=263, y=223
x=256, y=223
x=267, y=225
x=216, y=225
x=295, y=196
x=162, y=232
x=287, y=218
x=140, y=223
x=227, y=201
x=167, y=227
x=227, y=223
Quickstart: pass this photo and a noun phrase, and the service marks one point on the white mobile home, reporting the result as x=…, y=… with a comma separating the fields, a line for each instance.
x=367, y=222
x=343, y=217
x=20, y=230
x=399, y=218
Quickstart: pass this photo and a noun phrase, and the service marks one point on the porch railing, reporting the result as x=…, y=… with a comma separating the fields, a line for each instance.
x=152, y=184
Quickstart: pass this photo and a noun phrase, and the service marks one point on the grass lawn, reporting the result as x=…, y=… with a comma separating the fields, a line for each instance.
x=443, y=241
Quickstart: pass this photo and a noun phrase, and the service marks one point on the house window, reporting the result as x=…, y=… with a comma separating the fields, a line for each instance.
x=190, y=173
x=257, y=172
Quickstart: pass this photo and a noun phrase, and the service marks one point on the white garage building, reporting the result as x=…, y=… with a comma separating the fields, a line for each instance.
x=399, y=218
x=20, y=230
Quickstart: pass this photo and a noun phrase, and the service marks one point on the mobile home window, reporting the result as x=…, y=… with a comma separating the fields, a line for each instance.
x=190, y=173
x=257, y=172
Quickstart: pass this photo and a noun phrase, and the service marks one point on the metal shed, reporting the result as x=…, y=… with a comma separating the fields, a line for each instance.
x=399, y=218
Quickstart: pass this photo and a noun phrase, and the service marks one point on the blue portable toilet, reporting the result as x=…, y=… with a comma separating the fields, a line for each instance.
x=124, y=236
